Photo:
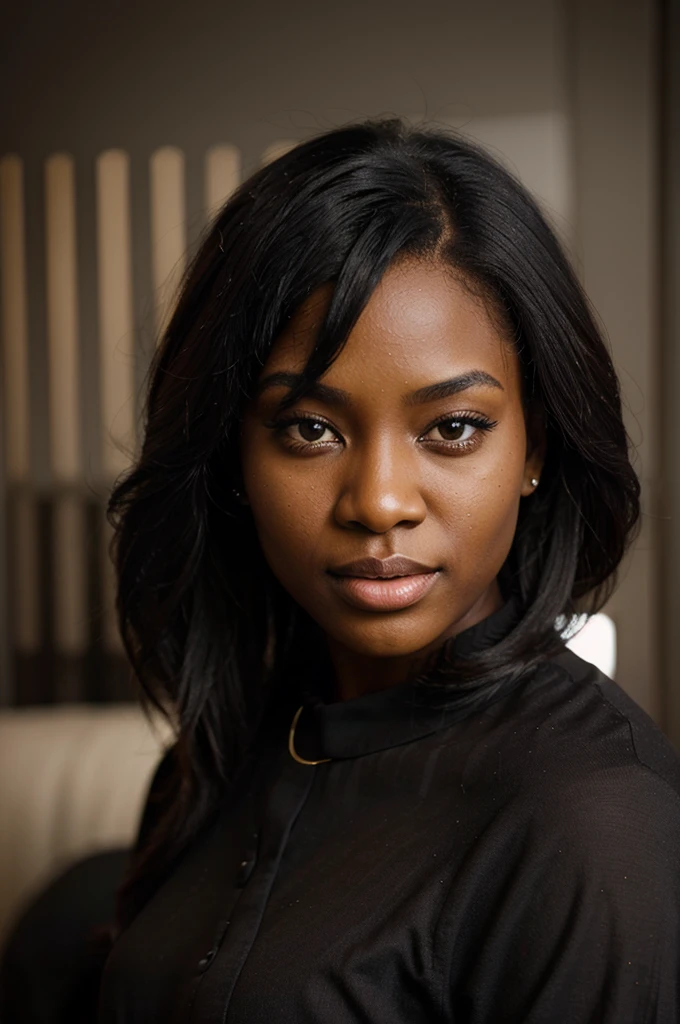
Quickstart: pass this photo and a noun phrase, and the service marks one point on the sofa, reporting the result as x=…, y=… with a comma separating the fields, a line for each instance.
x=73, y=780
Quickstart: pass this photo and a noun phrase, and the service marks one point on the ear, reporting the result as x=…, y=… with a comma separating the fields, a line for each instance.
x=535, y=458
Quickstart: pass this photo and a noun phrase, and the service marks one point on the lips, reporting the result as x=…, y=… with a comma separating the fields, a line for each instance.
x=382, y=568
x=384, y=595
x=384, y=584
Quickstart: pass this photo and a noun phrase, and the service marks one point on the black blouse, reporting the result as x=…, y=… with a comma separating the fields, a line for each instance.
x=519, y=864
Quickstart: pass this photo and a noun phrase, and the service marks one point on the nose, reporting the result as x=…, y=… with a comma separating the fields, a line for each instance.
x=380, y=490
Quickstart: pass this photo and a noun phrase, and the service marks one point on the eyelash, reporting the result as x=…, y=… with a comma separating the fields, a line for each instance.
x=482, y=424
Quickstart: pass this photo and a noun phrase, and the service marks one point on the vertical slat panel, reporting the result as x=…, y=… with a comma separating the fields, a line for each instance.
x=14, y=320
x=114, y=272
x=276, y=149
x=70, y=575
x=23, y=620
x=69, y=563
x=116, y=349
x=62, y=317
x=222, y=176
x=25, y=582
x=111, y=638
x=168, y=228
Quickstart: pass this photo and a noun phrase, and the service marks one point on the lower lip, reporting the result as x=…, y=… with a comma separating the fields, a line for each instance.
x=385, y=595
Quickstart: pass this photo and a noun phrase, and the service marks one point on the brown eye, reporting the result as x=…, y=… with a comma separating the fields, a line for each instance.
x=311, y=430
x=454, y=430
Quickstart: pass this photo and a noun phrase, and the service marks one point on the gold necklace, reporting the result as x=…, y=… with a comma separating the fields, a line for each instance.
x=291, y=742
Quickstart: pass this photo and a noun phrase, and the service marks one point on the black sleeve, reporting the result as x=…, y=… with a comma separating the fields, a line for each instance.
x=587, y=929
x=53, y=957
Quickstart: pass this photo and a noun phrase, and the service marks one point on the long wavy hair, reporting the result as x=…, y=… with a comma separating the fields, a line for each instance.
x=211, y=635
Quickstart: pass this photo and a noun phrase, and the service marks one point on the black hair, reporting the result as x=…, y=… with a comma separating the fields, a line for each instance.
x=208, y=629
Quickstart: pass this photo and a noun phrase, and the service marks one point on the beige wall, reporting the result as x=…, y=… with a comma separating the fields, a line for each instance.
x=142, y=73
x=670, y=365
x=614, y=81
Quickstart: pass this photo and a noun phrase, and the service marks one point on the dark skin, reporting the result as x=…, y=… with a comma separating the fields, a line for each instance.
x=439, y=481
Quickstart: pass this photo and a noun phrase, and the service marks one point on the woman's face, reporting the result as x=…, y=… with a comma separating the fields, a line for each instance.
x=379, y=467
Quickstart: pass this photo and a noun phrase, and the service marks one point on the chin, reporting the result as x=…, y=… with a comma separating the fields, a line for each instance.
x=387, y=640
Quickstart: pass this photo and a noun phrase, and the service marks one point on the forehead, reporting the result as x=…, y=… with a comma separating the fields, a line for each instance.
x=420, y=322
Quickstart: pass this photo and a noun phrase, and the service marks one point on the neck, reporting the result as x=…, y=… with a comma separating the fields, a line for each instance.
x=356, y=673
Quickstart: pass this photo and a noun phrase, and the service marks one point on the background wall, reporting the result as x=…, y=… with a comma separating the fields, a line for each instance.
x=567, y=92
x=670, y=364
x=142, y=74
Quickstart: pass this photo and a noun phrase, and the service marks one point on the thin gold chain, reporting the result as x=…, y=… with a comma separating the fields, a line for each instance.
x=291, y=742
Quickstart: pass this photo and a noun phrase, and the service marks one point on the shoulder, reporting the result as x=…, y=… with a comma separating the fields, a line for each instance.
x=613, y=725
x=569, y=754
x=602, y=783
x=570, y=723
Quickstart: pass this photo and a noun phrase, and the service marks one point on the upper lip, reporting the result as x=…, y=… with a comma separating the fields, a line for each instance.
x=372, y=568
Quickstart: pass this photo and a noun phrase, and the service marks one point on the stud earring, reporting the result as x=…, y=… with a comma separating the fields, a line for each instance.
x=239, y=497
x=534, y=481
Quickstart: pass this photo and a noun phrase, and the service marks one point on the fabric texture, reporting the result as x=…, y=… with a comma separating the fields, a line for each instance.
x=52, y=962
x=519, y=864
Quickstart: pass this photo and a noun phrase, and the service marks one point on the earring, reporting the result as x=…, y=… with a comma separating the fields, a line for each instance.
x=239, y=497
x=534, y=481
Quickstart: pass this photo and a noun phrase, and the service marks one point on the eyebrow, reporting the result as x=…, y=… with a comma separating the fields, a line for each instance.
x=342, y=399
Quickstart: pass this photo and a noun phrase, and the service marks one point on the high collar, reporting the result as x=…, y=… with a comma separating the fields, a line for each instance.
x=397, y=715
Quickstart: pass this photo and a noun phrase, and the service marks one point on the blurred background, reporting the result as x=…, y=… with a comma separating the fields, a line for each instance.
x=122, y=128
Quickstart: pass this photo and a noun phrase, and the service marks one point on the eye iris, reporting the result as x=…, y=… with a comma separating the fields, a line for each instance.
x=452, y=430
x=313, y=427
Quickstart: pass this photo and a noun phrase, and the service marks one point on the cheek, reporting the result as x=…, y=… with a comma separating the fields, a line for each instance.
x=287, y=517
x=482, y=513
x=489, y=525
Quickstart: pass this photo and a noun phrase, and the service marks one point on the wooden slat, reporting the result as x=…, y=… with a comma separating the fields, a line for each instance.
x=25, y=579
x=70, y=611
x=111, y=639
x=116, y=341
x=168, y=229
x=14, y=322
x=62, y=318
x=222, y=176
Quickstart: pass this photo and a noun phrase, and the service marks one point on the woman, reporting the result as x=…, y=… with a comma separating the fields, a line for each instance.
x=384, y=456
